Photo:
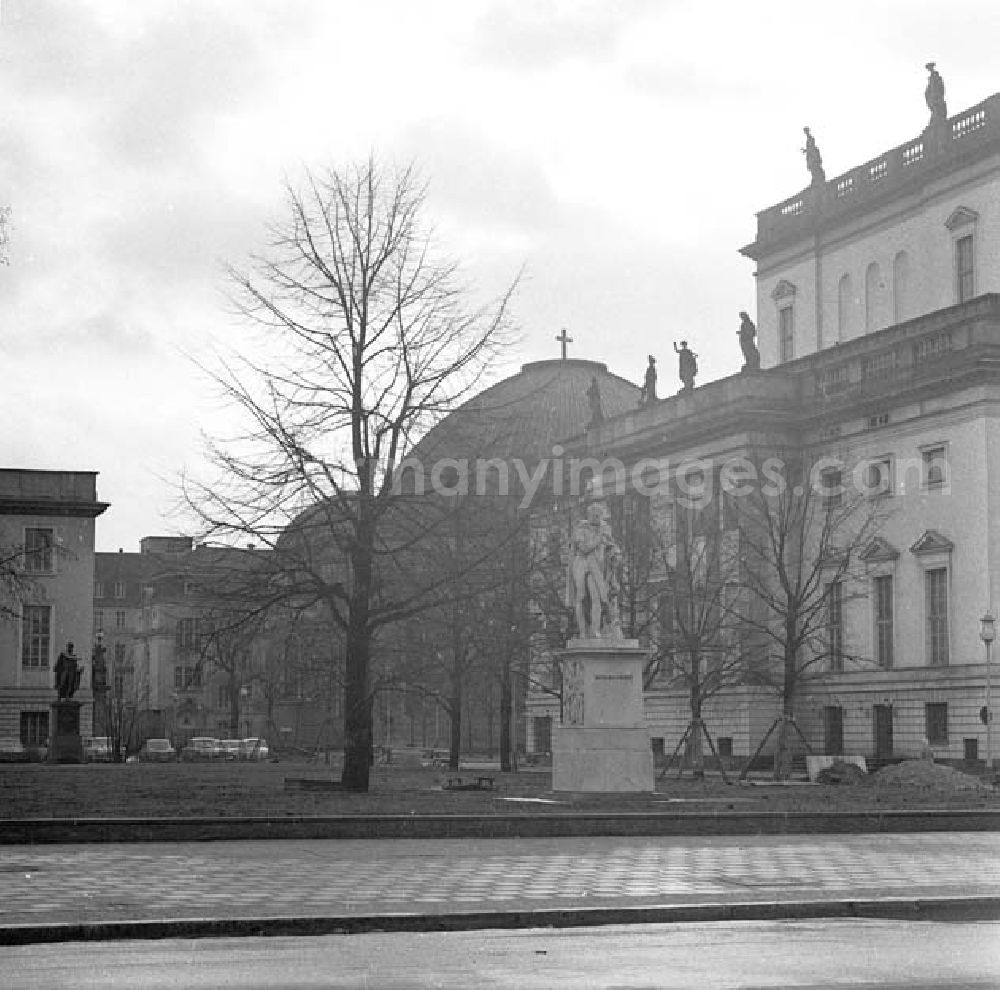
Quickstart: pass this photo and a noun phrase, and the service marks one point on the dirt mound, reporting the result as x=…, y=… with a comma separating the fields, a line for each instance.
x=923, y=773
x=840, y=772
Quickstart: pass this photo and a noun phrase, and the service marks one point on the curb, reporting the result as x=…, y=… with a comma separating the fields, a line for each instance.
x=36, y=831
x=902, y=909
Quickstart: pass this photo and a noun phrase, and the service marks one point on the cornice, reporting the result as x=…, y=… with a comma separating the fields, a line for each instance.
x=51, y=507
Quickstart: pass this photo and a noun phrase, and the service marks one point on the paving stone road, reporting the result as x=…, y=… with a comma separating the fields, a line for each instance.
x=294, y=878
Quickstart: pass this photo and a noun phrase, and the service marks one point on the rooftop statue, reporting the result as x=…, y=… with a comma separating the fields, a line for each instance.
x=688, y=365
x=592, y=581
x=934, y=95
x=814, y=160
x=747, y=332
x=648, y=393
x=594, y=397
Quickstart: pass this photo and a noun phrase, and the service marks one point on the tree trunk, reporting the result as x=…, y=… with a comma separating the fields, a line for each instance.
x=506, y=736
x=234, y=710
x=357, y=694
x=695, y=751
x=782, y=753
x=455, y=736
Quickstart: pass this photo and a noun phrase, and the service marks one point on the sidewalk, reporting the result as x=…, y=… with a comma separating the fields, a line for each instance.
x=68, y=892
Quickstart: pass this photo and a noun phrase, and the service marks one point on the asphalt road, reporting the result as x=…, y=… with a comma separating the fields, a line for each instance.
x=827, y=953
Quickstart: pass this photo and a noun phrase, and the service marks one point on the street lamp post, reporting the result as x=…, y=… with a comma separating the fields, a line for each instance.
x=987, y=633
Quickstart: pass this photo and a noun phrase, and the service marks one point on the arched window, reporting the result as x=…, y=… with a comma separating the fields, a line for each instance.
x=874, y=294
x=845, y=300
x=901, y=302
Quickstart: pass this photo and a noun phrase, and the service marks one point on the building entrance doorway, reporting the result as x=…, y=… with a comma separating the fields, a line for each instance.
x=833, y=730
x=882, y=716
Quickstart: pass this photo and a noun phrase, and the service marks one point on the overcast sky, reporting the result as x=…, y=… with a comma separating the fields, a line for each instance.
x=617, y=150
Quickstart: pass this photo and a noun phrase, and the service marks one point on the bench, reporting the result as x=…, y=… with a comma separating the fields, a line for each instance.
x=461, y=784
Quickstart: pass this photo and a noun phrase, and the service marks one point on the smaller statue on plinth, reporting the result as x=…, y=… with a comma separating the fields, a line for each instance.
x=814, y=160
x=934, y=96
x=592, y=578
x=68, y=674
x=594, y=398
x=688, y=365
x=747, y=332
x=648, y=393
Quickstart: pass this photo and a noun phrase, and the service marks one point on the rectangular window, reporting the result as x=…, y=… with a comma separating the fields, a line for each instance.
x=831, y=487
x=98, y=589
x=38, y=556
x=36, y=635
x=121, y=619
x=936, y=722
x=786, y=333
x=936, y=583
x=186, y=677
x=935, y=467
x=98, y=620
x=34, y=728
x=882, y=587
x=835, y=624
x=187, y=634
x=119, y=589
x=965, y=268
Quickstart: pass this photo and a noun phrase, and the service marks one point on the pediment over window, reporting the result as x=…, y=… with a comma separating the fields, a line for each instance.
x=932, y=542
x=784, y=289
x=960, y=217
x=879, y=551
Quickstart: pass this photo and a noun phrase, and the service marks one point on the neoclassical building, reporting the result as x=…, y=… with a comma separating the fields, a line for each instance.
x=878, y=314
x=47, y=523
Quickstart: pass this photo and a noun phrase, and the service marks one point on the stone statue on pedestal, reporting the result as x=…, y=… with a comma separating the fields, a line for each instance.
x=592, y=582
x=68, y=674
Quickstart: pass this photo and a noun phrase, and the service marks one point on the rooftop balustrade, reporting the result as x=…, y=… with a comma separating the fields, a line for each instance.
x=970, y=133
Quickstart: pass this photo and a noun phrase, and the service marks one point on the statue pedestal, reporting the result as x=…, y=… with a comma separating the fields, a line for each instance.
x=602, y=745
x=65, y=744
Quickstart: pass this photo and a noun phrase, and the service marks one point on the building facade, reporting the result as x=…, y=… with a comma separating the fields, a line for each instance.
x=47, y=523
x=879, y=333
x=158, y=612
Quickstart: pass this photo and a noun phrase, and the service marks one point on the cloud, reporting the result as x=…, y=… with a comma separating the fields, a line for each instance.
x=542, y=34
x=475, y=182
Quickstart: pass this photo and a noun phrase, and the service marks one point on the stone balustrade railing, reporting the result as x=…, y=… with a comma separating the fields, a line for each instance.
x=965, y=133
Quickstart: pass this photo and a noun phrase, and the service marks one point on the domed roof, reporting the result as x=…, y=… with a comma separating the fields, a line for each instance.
x=524, y=415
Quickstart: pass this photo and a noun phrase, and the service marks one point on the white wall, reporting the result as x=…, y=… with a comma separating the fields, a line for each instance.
x=914, y=224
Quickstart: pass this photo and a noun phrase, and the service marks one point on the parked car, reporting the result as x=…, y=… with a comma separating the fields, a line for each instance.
x=157, y=751
x=202, y=748
x=254, y=748
x=231, y=748
x=11, y=750
x=97, y=749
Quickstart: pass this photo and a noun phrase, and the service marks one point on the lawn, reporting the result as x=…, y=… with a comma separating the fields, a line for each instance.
x=258, y=789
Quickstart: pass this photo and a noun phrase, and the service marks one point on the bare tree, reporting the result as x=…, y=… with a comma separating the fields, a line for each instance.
x=367, y=340
x=803, y=522
x=693, y=594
